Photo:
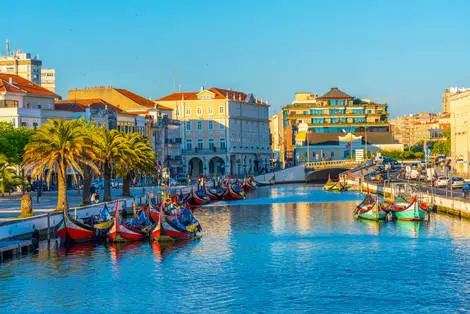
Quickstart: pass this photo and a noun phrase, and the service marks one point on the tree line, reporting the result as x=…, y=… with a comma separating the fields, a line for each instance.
x=75, y=148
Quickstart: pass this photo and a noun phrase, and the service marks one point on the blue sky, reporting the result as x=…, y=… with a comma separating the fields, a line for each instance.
x=402, y=52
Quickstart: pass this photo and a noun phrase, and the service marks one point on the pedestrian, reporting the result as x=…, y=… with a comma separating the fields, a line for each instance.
x=38, y=194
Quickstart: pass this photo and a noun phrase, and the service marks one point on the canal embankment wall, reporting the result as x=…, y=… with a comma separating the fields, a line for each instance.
x=289, y=175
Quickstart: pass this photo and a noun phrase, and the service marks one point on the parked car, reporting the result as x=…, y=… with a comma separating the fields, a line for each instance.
x=440, y=182
x=456, y=182
x=466, y=187
x=182, y=179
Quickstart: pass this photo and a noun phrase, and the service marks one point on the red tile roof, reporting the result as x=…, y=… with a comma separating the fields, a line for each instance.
x=220, y=93
x=26, y=85
x=79, y=105
x=7, y=87
x=179, y=96
x=136, y=98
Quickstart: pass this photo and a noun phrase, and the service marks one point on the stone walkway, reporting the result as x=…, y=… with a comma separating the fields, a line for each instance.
x=10, y=205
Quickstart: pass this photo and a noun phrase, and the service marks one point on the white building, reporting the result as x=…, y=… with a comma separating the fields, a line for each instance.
x=24, y=103
x=28, y=67
x=224, y=132
x=48, y=79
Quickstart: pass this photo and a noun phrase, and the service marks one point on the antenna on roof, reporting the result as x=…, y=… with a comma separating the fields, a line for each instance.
x=7, y=47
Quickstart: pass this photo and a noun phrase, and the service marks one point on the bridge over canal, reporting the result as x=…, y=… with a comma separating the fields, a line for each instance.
x=309, y=172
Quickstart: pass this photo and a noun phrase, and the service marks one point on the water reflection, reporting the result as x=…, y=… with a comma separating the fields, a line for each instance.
x=298, y=256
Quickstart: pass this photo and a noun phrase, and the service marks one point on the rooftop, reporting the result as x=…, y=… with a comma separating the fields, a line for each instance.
x=335, y=93
x=25, y=85
x=80, y=105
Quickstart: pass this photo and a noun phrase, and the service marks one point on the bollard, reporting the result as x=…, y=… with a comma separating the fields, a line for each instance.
x=48, y=227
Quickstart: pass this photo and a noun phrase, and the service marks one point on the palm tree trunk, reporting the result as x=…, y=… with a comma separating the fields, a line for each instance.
x=126, y=185
x=62, y=189
x=86, y=185
x=107, y=182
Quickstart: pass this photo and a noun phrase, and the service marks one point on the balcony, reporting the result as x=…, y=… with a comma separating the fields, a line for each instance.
x=174, y=141
x=205, y=151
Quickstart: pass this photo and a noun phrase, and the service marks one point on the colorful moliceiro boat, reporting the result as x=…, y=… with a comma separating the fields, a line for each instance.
x=134, y=230
x=176, y=222
x=198, y=198
x=234, y=191
x=333, y=186
x=413, y=211
x=87, y=229
x=370, y=209
x=248, y=185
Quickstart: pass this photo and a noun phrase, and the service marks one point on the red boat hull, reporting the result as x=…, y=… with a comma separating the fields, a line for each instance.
x=71, y=230
x=194, y=199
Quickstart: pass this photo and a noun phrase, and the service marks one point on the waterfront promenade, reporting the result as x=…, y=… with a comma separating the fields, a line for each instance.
x=10, y=205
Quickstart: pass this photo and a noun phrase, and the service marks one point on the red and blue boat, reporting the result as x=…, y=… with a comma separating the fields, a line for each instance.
x=234, y=191
x=79, y=230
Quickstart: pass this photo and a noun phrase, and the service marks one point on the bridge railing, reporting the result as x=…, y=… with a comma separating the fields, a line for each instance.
x=332, y=164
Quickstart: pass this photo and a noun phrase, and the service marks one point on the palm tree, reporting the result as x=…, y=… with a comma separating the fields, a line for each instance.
x=140, y=158
x=111, y=150
x=89, y=129
x=58, y=146
x=8, y=176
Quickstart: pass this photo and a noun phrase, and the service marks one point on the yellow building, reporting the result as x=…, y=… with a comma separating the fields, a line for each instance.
x=225, y=132
x=276, y=127
x=460, y=128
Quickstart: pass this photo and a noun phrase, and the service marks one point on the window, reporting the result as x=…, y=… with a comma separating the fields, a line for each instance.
x=200, y=144
x=188, y=111
x=318, y=120
x=35, y=125
x=199, y=125
x=358, y=111
x=211, y=144
x=189, y=144
x=188, y=126
x=340, y=102
x=332, y=102
x=209, y=110
x=210, y=125
x=316, y=111
x=221, y=109
x=199, y=111
x=305, y=112
x=332, y=154
x=23, y=124
x=222, y=143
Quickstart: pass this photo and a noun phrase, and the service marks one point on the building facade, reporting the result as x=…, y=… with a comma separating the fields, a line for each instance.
x=422, y=127
x=326, y=118
x=25, y=103
x=28, y=67
x=446, y=97
x=335, y=112
x=48, y=79
x=141, y=115
x=460, y=128
x=224, y=132
x=276, y=127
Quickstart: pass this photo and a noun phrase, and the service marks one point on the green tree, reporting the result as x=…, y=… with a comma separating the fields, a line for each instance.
x=140, y=158
x=111, y=150
x=13, y=141
x=8, y=177
x=58, y=146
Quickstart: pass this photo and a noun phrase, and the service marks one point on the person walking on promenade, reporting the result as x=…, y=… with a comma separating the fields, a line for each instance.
x=38, y=194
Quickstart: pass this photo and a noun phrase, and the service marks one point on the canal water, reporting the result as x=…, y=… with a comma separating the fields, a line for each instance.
x=286, y=248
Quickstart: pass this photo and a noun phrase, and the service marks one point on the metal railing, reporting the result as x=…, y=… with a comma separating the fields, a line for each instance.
x=347, y=163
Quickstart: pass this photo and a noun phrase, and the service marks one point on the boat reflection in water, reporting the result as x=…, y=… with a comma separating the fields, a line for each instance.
x=412, y=228
x=372, y=226
x=162, y=249
x=118, y=250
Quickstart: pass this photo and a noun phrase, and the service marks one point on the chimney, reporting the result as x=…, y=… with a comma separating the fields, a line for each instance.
x=11, y=81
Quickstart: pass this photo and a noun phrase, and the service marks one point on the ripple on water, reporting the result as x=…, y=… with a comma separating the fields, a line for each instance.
x=285, y=249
